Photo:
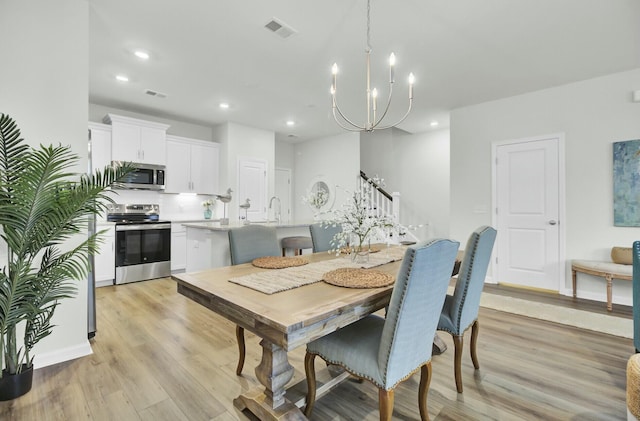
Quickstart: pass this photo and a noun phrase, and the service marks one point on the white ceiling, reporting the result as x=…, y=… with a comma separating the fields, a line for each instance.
x=462, y=52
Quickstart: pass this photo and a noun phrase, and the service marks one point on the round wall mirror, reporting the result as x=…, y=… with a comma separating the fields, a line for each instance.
x=321, y=195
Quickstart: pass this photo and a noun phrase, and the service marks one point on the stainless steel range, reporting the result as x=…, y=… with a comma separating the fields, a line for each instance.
x=143, y=242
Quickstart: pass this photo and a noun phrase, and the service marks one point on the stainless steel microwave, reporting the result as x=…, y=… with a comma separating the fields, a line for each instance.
x=144, y=177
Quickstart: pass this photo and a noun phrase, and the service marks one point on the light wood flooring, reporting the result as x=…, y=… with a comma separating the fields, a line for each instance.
x=158, y=356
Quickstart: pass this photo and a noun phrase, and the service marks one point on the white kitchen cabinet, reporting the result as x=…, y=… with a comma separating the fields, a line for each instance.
x=199, y=249
x=105, y=258
x=139, y=141
x=100, y=141
x=192, y=166
x=178, y=247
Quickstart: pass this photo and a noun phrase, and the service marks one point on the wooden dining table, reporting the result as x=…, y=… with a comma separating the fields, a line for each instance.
x=284, y=320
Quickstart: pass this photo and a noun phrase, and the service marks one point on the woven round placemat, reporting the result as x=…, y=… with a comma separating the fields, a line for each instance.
x=633, y=385
x=278, y=262
x=358, y=278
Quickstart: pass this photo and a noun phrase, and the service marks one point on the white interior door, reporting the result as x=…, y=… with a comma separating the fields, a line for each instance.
x=252, y=184
x=283, y=192
x=528, y=213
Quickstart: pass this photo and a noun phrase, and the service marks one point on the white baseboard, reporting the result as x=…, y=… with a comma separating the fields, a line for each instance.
x=107, y=283
x=62, y=355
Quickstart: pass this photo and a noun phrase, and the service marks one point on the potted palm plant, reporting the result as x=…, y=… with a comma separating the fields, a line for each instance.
x=42, y=206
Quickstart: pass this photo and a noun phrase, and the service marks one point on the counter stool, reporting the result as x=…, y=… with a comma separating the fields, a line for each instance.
x=296, y=243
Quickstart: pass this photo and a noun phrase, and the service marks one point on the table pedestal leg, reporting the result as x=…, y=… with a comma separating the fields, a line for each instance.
x=274, y=372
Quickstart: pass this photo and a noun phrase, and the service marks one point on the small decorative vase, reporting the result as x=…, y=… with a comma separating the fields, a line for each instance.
x=207, y=214
x=360, y=253
x=360, y=257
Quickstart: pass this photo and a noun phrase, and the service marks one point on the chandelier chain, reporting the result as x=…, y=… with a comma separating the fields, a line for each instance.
x=368, y=25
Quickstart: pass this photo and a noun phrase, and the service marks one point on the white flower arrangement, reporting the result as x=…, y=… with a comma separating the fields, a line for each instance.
x=208, y=204
x=360, y=222
x=316, y=199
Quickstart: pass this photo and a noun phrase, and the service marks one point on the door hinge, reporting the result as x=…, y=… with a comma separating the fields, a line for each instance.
x=496, y=260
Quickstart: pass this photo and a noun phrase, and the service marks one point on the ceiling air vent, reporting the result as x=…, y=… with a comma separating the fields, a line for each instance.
x=157, y=94
x=280, y=28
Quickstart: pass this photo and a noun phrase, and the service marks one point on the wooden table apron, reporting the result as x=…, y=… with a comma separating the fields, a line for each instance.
x=284, y=320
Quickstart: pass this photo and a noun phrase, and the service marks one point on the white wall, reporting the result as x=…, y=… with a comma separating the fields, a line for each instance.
x=376, y=156
x=238, y=141
x=416, y=166
x=44, y=88
x=285, y=155
x=592, y=114
x=421, y=175
x=335, y=158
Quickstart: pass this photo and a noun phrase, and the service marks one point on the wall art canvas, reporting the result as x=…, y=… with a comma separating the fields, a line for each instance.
x=626, y=183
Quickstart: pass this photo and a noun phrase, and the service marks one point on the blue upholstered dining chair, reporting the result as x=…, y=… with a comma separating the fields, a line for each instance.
x=245, y=244
x=636, y=295
x=389, y=350
x=321, y=236
x=460, y=310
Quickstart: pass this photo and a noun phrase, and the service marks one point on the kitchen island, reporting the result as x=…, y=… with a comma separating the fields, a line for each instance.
x=208, y=242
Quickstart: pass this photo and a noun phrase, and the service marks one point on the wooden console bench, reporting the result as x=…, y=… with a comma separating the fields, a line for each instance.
x=606, y=270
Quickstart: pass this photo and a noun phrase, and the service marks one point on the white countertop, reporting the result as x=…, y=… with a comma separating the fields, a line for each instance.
x=214, y=225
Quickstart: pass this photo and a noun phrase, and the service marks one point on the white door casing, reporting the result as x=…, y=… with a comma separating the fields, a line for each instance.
x=252, y=184
x=528, y=195
x=283, y=192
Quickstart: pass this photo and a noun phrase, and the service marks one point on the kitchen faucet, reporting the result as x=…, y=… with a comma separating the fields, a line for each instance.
x=277, y=214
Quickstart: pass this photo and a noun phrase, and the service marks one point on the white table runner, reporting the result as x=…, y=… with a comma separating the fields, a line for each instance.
x=271, y=281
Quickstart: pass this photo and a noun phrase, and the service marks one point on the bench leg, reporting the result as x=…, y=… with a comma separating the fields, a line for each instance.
x=609, y=291
x=573, y=281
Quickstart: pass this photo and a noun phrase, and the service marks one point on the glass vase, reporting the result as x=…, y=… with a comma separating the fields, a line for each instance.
x=207, y=214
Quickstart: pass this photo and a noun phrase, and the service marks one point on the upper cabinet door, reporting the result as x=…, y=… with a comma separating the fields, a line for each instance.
x=177, y=177
x=192, y=166
x=100, y=146
x=137, y=141
x=204, y=168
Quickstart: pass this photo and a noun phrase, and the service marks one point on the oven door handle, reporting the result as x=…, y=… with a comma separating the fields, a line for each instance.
x=139, y=227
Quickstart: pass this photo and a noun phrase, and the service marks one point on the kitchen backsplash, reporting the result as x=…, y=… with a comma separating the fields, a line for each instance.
x=172, y=206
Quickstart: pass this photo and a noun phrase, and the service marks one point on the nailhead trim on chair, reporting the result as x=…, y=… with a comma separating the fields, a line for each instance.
x=362, y=376
x=466, y=288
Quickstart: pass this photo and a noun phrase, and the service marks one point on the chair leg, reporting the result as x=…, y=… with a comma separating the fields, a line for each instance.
x=457, y=361
x=425, y=381
x=385, y=404
x=310, y=372
x=241, y=349
x=474, y=341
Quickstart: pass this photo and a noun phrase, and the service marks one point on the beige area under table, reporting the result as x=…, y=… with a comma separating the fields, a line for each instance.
x=607, y=270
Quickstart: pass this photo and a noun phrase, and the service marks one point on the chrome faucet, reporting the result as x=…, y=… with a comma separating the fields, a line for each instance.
x=278, y=214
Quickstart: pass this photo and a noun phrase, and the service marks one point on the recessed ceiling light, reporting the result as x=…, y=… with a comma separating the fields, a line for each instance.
x=434, y=124
x=122, y=78
x=143, y=55
x=224, y=105
x=291, y=123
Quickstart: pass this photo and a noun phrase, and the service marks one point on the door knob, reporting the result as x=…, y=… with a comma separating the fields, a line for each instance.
x=553, y=222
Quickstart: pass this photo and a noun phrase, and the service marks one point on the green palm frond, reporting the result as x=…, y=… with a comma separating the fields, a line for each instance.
x=41, y=207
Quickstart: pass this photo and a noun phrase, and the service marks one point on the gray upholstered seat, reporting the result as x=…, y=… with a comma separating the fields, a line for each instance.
x=252, y=241
x=389, y=350
x=321, y=236
x=245, y=244
x=460, y=310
